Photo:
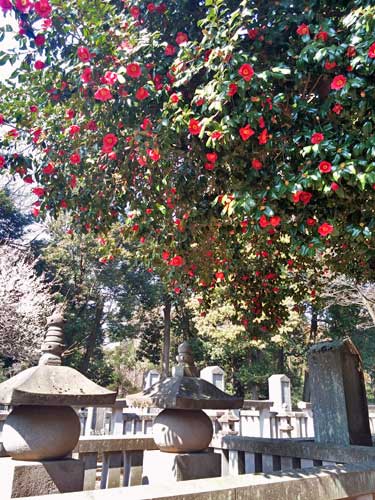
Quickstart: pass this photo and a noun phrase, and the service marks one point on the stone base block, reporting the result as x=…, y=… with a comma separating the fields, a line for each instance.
x=160, y=467
x=26, y=479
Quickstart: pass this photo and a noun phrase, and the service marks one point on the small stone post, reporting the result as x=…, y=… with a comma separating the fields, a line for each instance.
x=338, y=394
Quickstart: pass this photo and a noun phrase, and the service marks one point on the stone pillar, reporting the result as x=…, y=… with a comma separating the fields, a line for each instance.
x=280, y=392
x=338, y=394
x=152, y=377
x=215, y=375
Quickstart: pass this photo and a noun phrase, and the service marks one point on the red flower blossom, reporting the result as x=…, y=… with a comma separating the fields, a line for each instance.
x=194, y=127
x=151, y=7
x=328, y=65
x=43, y=8
x=110, y=78
x=263, y=137
x=165, y=255
x=5, y=5
x=103, y=94
x=325, y=167
x=371, y=51
x=211, y=157
x=209, y=166
x=176, y=261
x=49, y=169
x=317, y=138
x=246, y=71
x=86, y=76
x=141, y=94
x=2, y=161
x=133, y=70
x=109, y=141
x=174, y=98
x=74, y=129
x=181, y=38
x=256, y=164
x=275, y=220
x=170, y=50
x=216, y=135
x=337, y=108
x=233, y=88
x=33, y=108
x=135, y=12
x=28, y=179
x=40, y=40
x=335, y=186
x=39, y=64
x=246, y=132
x=23, y=5
x=310, y=221
x=83, y=54
x=351, y=51
x=322, y=35
x=325, y=229
x=154, y=154
x=303, y=30
x=75, y=159
x=263, y=222
x=302, y=196
x=338, y=82
x=253, y=33
x=220, y=275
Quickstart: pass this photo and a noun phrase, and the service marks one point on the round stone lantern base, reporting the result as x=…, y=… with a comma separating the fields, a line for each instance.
x=182, y=431
x=40, y=432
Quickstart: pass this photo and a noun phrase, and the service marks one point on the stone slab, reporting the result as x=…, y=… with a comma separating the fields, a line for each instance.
x=24, y=479
x=160, y=467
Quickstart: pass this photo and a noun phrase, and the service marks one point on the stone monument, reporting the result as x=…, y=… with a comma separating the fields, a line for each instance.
x=182, y=431
x=280, y=393
x=215, y=375
x=338, y=394
x=43, y=429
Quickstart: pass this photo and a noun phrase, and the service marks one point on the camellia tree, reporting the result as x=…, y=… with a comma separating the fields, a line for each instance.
x=234, y=141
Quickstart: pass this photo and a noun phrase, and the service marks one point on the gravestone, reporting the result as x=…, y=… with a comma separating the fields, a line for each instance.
x=215, y=375
x=280, y=393
x=338, y=394
x=152, y=377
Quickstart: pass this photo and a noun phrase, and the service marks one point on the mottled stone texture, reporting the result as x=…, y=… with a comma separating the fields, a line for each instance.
x=160, y=467
x=338, y=394
x=26, y=479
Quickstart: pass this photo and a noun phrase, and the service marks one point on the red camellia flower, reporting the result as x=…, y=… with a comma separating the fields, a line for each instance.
x=246, y=71
x=23, y=5
x=39, y=64
x=317, y=138
x=154, y=154
x=6, y=5
x=263, y=222
x=216, y=134
x=211, y=157
x=141, y=94
x=330, y=65
x=275, y=220
x=151, y=7
x=170, y=50
x=303, y=30
x=325, y=167
x=335, y=186
x=74, y=129
x=40, y=40
x=246, y=132
x=220, y=275
x=338, y=82
x=165, y=255
x=49, y=169
x=133, y=70
x=86, y=76
x=337, y=108
x=302, y=196
x=209, y=166
x=256, y=164
x=39, y=191
x=174, y=98
x=75, y=159
x=103, y=94
x=109, y=141
x=2, y=161
x=351, y=51
x=322, y=35
x=233, y=88
x=83, y=54
x=263, y=137
x=325, y=229
x=33, y=108
x=194, y=127
x=181, y=38
x=176, y=261
x=310, y=221
x=135, y=12
x=110, y=77
x=43, y=8
x=253, y=33
x=371, y=51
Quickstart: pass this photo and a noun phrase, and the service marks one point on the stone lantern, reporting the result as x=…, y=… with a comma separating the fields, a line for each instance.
x=43, y=429
x=182, y=430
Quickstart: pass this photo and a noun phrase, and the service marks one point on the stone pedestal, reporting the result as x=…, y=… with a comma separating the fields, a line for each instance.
x=160, y=467
x=26, y=479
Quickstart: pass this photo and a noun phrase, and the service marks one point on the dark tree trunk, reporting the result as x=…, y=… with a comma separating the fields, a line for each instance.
x=280, y=360
x=95, y=332
x=166, y=338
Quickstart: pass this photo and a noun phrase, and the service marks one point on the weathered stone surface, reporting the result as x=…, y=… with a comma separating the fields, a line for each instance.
x=25, y=479
x=279, y=392
x=182, y=430
x=332, y=483
x=161, y=468
x=54, y=386
x=185, y=393
x=41, y=432
x=101, y=444
x=338, y=394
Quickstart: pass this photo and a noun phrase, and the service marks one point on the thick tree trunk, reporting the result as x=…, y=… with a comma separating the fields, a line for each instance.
x=91, y=340
x=166, y=338
x=280, y=360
